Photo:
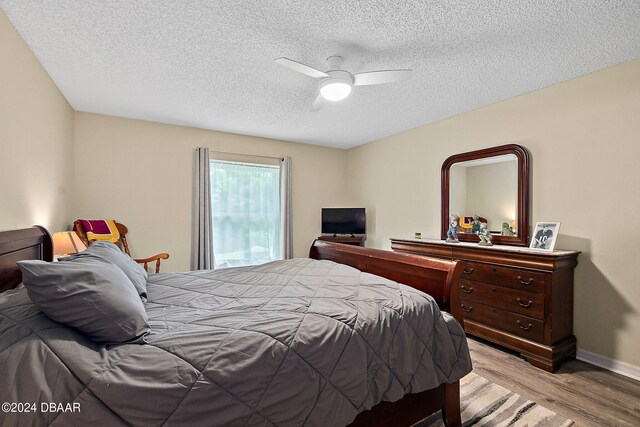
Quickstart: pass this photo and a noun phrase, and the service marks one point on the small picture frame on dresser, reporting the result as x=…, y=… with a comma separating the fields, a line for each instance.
x=544, y=236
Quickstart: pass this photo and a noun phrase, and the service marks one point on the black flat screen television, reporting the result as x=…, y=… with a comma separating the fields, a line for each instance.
x=343, y=221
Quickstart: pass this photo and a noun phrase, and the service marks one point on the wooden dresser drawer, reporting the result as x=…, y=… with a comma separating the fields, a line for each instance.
x=517, y=324
x=515, y=300
x=515, y=278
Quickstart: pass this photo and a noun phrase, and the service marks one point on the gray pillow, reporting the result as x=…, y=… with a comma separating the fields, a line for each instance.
x=90, y=294
x=111, y=252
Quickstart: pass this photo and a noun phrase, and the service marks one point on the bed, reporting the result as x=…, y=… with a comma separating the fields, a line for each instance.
x=327, y=340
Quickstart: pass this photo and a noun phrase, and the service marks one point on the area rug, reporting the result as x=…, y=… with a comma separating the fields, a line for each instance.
x=484, y=403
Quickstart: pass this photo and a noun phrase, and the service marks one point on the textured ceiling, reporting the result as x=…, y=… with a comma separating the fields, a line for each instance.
x=209, y=64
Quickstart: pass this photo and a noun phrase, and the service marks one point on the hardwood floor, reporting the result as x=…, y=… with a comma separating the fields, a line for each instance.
x=584, y=393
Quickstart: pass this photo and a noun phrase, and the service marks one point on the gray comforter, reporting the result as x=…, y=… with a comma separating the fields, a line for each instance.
x=297, y=342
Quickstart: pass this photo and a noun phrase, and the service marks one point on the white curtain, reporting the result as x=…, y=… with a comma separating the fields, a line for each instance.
x=202, y=237
x=246, y=213
x=285, y=208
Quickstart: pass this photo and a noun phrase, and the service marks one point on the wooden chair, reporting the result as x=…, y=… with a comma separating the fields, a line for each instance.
x=122, y=229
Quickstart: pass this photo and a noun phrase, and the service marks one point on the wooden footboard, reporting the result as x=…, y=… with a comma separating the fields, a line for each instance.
x=433, y=276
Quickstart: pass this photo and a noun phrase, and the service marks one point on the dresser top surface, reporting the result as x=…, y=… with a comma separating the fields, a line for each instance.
x=499, y=248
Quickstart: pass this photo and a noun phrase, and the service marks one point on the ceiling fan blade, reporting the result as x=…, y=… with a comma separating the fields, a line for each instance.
x=379, y=77
x=301, y=68
x=318, y=103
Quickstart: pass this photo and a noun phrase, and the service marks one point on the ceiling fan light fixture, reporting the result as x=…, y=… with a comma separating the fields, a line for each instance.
x=336, y=83
x=337, y=86
x=335, y=91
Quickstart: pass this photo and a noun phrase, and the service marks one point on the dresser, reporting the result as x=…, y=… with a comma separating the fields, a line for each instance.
x=516, y=297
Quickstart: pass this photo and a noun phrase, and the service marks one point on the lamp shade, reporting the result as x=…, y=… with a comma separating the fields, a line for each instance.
x=67, y=243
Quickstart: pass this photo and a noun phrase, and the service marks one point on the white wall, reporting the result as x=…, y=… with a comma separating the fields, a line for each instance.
x=140, y=173
x=583, y=136
x=36, y=140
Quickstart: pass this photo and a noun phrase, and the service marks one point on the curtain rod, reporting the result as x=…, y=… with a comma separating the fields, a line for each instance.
x=248, y=155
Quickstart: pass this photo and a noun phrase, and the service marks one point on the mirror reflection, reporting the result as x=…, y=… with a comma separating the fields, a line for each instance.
x=485, y=191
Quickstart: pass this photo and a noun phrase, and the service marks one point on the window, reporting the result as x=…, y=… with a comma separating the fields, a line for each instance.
x=245, y=209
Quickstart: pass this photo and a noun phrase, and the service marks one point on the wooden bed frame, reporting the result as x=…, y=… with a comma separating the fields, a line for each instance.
x=436, y=277
x=17, y=245
x=433, y=276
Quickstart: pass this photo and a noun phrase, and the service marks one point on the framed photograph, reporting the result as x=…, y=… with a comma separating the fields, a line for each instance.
x=544, y=236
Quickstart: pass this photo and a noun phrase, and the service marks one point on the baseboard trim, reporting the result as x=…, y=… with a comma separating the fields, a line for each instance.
x=622, y=368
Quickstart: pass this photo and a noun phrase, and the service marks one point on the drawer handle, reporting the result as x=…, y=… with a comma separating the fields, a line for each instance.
x=468, y=310
x=465, y=290
x=527, y=283
x=525, y=328
x=527, y=305
x=467, y=272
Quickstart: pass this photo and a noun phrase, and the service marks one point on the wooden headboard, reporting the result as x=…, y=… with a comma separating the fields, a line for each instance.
x=18, y=245
x=436, y=277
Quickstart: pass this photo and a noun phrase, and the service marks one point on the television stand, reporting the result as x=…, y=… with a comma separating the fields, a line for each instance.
x=348, y=240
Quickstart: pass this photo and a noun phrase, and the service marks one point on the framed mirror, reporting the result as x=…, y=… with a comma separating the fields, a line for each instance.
x=488, y=186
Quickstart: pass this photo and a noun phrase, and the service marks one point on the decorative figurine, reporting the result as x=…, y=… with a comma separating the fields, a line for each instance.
x=452, y=234
x=507, y=230
x=485, y=235
x=475, y=225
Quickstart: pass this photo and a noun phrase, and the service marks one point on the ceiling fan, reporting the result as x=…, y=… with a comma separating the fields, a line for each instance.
x=336, y=83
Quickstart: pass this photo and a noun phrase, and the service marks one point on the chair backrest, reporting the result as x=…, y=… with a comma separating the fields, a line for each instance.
x=122, y=229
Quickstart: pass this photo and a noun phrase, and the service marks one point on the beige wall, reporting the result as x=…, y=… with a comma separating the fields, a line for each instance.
x=458, y=191
x=583, y=136
x=487, y=190
x=140, y=173
x=36, y=140
x=492, y=193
